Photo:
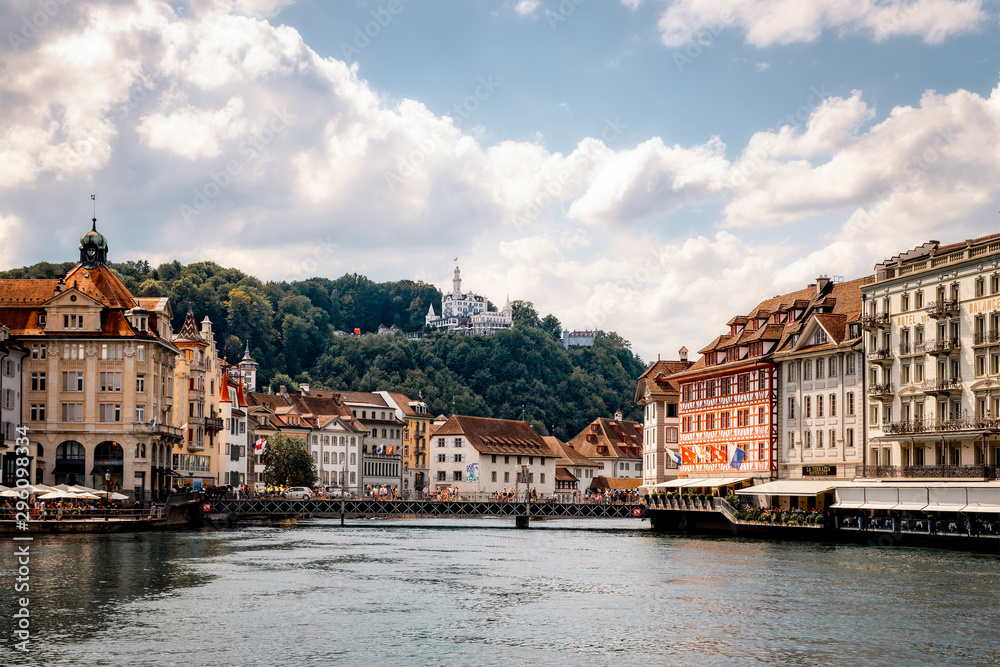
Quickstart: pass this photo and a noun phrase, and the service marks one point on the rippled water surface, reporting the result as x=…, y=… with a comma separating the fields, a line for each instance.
x=466, y=592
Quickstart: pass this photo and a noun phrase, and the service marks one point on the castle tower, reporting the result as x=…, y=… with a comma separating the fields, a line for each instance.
x=248, y=370
x=456, y=282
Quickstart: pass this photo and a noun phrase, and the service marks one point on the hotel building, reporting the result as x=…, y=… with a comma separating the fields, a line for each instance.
x=932, y=341
x=658, y=397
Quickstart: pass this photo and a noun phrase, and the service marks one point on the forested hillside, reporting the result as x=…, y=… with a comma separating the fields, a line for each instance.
x=290, y=328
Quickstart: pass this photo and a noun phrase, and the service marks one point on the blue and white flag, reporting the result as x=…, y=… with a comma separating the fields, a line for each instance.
x=674, y=456
x=735, y=456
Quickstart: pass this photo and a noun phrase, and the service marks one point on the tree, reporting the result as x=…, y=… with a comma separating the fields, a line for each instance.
x=523, y=312
x=551, y=325
x=287, y=462
x=283, y=380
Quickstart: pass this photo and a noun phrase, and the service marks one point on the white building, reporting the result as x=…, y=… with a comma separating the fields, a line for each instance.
x=821, y=393
x=485, y=455
x=468, y=312
x=235, y=453
x=932, y=320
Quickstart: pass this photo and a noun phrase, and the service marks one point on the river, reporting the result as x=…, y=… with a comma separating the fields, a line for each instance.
x=478, y=592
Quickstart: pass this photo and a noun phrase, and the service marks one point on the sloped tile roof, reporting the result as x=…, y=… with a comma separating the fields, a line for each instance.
x=497, y=436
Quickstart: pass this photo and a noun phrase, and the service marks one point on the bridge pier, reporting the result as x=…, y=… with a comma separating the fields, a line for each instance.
x=521, y=521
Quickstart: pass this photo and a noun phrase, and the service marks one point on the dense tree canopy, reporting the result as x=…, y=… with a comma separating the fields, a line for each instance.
x=295, y=330
x=287, y=462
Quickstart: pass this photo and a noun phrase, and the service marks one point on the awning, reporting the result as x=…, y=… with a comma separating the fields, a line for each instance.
x=849, y=498
x=983, y=509
x=715, y=482
x=170, y=473
x=877, y=506
x=912, y=499
x=946, y=508
x=69, y=467
x=791, y=487
x=670, y=484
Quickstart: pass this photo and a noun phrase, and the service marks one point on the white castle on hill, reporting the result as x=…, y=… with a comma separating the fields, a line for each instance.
x=466, y=312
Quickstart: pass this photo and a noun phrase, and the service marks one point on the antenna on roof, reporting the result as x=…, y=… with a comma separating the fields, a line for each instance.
x=93, y=198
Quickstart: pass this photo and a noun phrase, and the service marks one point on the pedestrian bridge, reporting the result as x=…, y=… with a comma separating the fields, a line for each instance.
x=368, y=507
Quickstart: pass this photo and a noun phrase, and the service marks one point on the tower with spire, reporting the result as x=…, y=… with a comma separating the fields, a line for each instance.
x=248, y=370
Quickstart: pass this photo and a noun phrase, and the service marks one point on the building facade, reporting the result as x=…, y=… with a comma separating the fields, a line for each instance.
x=418, y=423
x=821, y=389
x=932, y=343
x=578, y=338
x=11, y=383
x=485, y=455
x=614, y=444
x=98, y=375
x=659, y=399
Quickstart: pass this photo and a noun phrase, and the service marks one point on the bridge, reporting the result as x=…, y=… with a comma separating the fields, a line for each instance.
x=522, y=511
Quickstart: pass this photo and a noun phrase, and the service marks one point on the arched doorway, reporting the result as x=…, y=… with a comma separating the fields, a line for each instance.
x=109, y=465
x=70, y=462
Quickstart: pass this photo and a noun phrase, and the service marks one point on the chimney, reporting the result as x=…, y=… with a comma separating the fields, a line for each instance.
x=282, y=390
x=683, y=352
x=821, y=284
x=303, y=389
x=618, y=416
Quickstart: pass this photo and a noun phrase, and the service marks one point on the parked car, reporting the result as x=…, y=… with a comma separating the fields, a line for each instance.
x=334, y=492
x=299, y=493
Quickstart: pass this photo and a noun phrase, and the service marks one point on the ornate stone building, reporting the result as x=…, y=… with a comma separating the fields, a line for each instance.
x=99, y=375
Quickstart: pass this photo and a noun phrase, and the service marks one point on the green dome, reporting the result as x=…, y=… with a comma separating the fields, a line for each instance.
x=94, y=237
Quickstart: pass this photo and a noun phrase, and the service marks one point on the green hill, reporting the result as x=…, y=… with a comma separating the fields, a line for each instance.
x=524, y=371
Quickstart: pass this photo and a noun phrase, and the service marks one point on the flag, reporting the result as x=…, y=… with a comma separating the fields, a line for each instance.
x=674, y=456
x=736, y=456
x=152, y=422
x=456, y=259
x=391, y=449
x=184, y=427
x=258, y=444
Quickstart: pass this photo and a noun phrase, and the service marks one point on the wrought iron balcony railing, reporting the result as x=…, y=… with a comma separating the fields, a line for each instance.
x=942, y=471
x=943, y=346
x=875, y=321
x=942, y=308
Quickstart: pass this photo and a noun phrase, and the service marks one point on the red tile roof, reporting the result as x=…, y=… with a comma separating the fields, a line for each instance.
x=497, y=436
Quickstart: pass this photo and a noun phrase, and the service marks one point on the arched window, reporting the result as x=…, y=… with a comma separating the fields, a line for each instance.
x=70, y=449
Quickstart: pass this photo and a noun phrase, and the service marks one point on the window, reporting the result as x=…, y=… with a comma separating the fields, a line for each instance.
x=980, y=286
x=440, y=442
x=140, y=383
x=506, y=477
x=72, y=321
x=808, y=407
x=111, y=351
x=819, y=439
x=743, y=384
x=111, y=381
x=918, y=372
x=140, y=352
x=833, y=438
x=819, y=406
x=541, y=477
x=873, y=414
x=980, y=364
x=442, y=458
x=72, y=381
x=72, y=412
x=458, y=442
x=140, y=412
x=833, y=367
x=112, y=412
x=808, y=439
x=760, y=415
x=442, y=476
x=850, y=361
x=38, y=381
x=73, y=352
x=820, y=368
x=850, y=437
x=807, y=370
x=37, y=413
x=904, y=303
x=493, y=476
x=791, y=407
x=791, y=440
x=38, y=351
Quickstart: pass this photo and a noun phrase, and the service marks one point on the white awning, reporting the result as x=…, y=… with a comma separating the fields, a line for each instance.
x=878, y=506
x=912, y=499
x=792, y=487
x=850, y=498
x=945, y=508
x=715, y=482
x=983, y=509
x=673, y=483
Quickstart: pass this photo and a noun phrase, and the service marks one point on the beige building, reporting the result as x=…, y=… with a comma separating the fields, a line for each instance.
x=614, y=444
x=418, y=426
x=99, y=375
x=197, y=376
x=658, y=397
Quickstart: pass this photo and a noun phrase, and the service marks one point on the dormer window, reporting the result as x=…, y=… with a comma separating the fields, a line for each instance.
x=72, y=321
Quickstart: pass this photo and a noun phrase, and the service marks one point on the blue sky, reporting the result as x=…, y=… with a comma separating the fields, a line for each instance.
x=650, y=167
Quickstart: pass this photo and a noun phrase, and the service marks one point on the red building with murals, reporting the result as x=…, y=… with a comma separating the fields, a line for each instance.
x=729, y=397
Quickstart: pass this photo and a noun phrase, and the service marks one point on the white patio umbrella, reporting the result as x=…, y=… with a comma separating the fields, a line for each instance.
x=9, y=493
x=57, y=495
x=41, y=488
x=87, y=496
x=112, y=495
x=79, y=488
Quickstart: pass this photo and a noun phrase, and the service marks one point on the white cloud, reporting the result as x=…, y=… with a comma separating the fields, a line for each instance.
x=526, y=7
x=770, y=22
x=762, y=67
x=331, y=177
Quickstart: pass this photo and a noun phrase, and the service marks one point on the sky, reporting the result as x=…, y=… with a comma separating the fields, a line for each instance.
x=647, y=167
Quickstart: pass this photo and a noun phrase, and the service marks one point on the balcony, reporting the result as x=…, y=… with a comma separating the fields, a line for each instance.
x=945, y=471
x=955, y=424
x=877, y=321
x=881, y=357
x=942, y=346
x=942, y=308
x=213, y=424
x=881, y=391
x=195, y=445
x=943, y=386
x=986, y=337
x=161, y=430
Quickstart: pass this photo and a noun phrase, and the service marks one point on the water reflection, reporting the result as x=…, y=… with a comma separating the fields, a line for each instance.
x=478, y=592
